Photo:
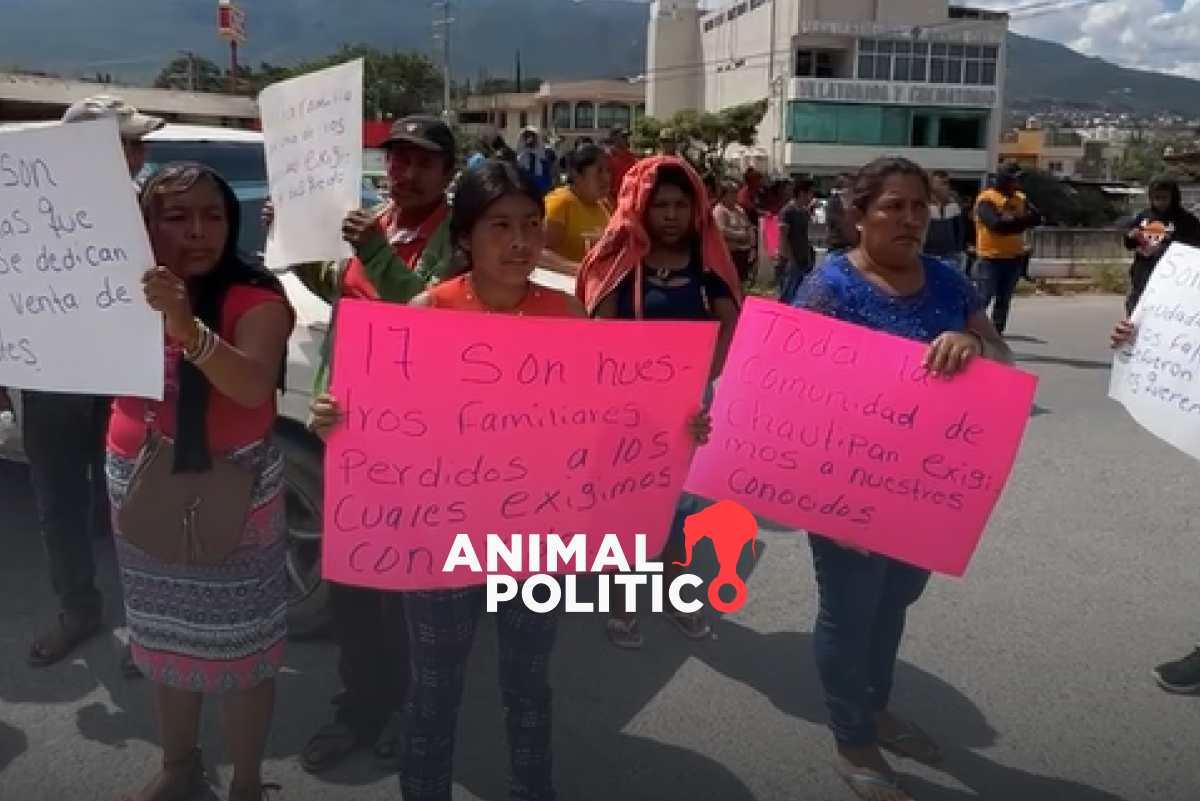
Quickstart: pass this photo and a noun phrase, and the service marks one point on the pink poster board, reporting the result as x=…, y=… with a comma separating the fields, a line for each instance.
x=838, y=430
x=480, y=423
x=770, y=234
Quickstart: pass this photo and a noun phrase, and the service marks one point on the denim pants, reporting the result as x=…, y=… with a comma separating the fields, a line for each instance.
x=372, y=657
x=998, y=278
x=64, y=442
x=441, y=628
x=860, y=620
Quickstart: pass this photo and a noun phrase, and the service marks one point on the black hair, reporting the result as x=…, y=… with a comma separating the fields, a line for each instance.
x=942, y=174
x=1167, y=183
x=208, y=295
x=477, y=189
x=868, y=184
x=670, y=175
x=801, y=185
x=583, y=157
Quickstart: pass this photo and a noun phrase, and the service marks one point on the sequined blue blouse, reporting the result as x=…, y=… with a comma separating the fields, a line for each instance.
x=837, y=289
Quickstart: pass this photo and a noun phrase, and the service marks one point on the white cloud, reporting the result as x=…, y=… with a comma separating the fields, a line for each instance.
x=1157, y=35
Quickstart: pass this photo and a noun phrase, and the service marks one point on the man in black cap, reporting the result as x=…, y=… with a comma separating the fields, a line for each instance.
x=400, y=248
x=1002, y=216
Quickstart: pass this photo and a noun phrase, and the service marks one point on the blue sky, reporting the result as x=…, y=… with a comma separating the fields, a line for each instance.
x=1162, y=35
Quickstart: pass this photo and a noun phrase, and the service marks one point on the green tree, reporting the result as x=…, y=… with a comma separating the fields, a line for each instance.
x=394, y=84
x=191, y=72
x=1062, y=204
x=1141, y=162
x=705, y=138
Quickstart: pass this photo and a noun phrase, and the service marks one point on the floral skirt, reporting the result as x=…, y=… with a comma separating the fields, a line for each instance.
x=219, y=628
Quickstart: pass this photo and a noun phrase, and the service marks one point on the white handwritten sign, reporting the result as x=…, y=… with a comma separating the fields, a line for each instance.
x=1156, y=375
x=73, y=248
x=312, y=126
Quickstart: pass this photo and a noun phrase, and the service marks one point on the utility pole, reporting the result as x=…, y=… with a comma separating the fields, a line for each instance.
x=191, y=57
x=441, y=30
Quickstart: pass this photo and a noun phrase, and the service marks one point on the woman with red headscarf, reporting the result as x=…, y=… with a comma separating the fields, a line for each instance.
x=663, y=258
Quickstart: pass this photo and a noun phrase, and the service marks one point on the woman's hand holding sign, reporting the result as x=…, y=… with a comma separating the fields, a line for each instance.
x=167, y=293
x=324, y=413
x=950, y=352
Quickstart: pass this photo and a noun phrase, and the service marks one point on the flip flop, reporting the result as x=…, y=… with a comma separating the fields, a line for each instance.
x=912, y=743
x=624, y=633
x=69, y=632
x=865, y=783
x=693, y=625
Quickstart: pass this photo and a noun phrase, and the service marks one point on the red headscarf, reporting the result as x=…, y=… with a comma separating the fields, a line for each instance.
x=625, y=243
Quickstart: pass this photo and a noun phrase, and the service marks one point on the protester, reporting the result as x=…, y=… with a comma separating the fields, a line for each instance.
x=1154, y=230
x=399, y=250
x=227, y=327
x=668, y=142
x=576, y=214
x=663, y=258
x=620, y=160
x=63, y=438
x=1002, y=216
x=947, y=237
x=796, y=254
x=497, y=228
x=740, y=236
x=749, y=196
x=884, y=283
x=537, y=161
x=841, y=234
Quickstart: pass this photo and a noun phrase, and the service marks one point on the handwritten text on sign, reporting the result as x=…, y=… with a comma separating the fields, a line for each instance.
x=312, y=128
x=838, y=429
x=1155, y=375
x=472, y=423
x=73, y=249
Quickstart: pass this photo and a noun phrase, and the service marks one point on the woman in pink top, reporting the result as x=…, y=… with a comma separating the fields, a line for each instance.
x=216, y=629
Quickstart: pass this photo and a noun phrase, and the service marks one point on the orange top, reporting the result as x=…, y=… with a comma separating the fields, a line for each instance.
x=457, y=294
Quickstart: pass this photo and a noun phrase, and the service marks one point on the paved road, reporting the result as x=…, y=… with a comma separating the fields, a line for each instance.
x=1034, y=670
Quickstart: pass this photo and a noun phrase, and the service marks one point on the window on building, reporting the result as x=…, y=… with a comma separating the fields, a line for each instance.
x=524, y=120
x=474, y=117
x=613, y=115
x=886, y=126
x=875, y=59
x=757, y=3
x=502, y=120
x=736, y=11
x=585, y=116
x=639, y=112
x=562, y=115
x=545, y=118
x=815, y=64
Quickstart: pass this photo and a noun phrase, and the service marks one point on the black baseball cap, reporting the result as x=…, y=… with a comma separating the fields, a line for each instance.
x=427, y=133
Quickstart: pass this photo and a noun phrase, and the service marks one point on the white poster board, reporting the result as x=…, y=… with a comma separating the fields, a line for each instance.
x=1156, y=376
x=73, y=248
x=312, y=127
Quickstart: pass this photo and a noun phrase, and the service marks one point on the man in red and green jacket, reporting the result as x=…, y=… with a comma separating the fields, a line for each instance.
x=400, y=249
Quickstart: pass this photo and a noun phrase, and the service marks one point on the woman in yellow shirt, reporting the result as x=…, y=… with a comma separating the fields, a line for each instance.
x=577, y=214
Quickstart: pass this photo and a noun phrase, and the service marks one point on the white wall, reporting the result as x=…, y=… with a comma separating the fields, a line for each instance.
x=829, y=159
x=674, y=69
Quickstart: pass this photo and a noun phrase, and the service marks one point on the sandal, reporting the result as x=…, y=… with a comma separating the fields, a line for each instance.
x=693, y=624
x=258, y=792
x=868, y=784
x=387, y=747
x=332, y=743
x=179, y=780
x=624, y=633
x=912, y=743
x=71, y=630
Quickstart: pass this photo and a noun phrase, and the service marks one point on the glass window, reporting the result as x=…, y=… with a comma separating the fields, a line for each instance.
x=938, y=49
x=883, y=67
x=895, y=127
x=901, y=70
x=972, y=76
x=585, y=116
x=883, y=46
x=866, y=45
x=956, y=51
x=866, y=68
x=805, y=64
x=937, y=70
x=562, y=115
x=987, y=75
x=524, y=120
x=812, y=122
x=903, y=48
x=991, y=53
x=918, y=70
x=920, y=48
x=971, y=51
x=613, y=115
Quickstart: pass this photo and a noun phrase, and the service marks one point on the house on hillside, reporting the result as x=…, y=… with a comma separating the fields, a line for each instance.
x=1058, y=152
x=846, y=80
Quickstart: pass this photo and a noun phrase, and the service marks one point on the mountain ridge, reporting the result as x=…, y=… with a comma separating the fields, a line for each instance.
x=558, y=39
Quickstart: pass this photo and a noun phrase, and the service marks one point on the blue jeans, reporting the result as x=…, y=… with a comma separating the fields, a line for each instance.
x=860, y=620
x=998, y=279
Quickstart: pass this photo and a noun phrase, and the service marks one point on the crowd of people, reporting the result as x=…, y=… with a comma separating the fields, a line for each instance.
x=646, y=239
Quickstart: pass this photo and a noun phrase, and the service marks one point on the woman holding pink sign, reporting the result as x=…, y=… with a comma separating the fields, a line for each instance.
x=884, y=283
x=497, y=229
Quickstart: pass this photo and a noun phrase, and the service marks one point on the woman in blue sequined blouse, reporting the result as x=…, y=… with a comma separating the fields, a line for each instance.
x=884, y=283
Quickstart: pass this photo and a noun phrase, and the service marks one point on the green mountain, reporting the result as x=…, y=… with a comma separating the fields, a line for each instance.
x=133, y=39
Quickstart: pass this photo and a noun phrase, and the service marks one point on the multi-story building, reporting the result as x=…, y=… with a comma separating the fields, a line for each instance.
x=846, y=80
x=565, y=111
x=1060, y=153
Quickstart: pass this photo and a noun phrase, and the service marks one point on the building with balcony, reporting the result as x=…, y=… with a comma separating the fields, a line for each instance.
x=1060, y=153
x=846, y=80
x=564, y=111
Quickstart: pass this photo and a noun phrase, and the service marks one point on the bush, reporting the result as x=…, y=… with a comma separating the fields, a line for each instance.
x=1111, y=276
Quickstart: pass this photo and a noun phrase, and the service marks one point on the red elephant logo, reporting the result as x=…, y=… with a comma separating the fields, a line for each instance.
x=729, y=526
